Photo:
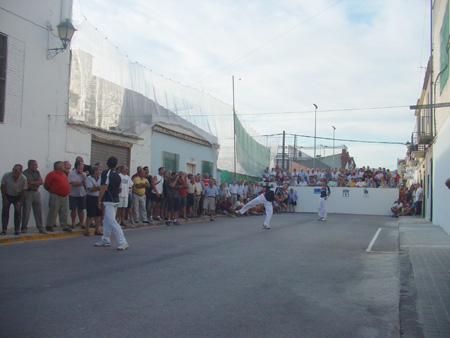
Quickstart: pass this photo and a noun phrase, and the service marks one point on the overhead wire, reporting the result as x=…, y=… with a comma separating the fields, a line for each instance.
x=337, y=139
x=267, y=43
x=275, y=113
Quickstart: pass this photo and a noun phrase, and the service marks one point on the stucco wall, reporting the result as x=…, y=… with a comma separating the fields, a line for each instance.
x=441, y=171
x=36, y=88
x=189, y=152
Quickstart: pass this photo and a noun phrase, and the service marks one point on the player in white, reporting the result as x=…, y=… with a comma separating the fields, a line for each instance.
x=325, y=192
x=275, y=194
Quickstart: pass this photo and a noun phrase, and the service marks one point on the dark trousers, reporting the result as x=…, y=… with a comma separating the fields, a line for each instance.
x=419, y=208
x=5, y=213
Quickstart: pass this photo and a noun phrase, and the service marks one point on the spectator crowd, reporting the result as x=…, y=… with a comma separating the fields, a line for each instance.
x=168, y=196
x=352, y=178
x=144, y=198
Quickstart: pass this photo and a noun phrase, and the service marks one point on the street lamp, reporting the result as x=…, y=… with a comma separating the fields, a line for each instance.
x=65, y=33
x=315, y=129
x=334, y=130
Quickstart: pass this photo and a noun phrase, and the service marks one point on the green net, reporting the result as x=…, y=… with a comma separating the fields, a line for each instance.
x=251, y=155
x=228, y=177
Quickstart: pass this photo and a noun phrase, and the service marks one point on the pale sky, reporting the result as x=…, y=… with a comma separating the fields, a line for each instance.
x=362, y=62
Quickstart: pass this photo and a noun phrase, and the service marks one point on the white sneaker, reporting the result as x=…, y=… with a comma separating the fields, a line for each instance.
x=102, y=243
x=323, y=219
x=123, y=246
x=266, y=226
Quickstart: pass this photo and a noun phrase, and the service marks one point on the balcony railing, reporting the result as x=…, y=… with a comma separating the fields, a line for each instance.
x=417, y=149
x=424, y=127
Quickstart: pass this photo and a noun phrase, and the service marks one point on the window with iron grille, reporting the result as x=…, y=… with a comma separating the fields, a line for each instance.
x=171, y=161
x=3, y=51
x=207, y=167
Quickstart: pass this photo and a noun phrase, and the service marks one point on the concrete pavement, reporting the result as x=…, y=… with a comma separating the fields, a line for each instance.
x=424, y=273
x=425, y=278
x=33, y=233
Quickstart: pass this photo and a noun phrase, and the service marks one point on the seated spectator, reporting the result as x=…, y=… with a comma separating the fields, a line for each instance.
x=302, y=183
x=257, y=210
x=333, y=183
x=360, y=183
x=382, y=184
x=239, y=205
x=371, y=184
x=407, y=210
x=226, y=207
x=396, y=208
x=351, y=183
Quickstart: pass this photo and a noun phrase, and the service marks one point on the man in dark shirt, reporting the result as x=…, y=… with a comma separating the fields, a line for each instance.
x=173, y=198
x=325, y=192
x=226, y=207
x=109, y=197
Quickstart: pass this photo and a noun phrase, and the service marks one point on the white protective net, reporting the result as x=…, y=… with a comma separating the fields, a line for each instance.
x=107, y=90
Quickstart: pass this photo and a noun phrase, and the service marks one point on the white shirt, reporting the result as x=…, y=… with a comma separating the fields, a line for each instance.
x=419, y=194
x=127, y=183
x=158, y=185
x=233, y=189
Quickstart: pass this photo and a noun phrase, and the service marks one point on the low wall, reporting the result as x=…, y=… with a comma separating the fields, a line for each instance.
x=358, y=201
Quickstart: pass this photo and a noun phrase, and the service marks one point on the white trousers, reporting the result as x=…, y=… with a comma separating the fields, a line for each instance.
x=110, y=224
x=322, y=208
x=261, y=199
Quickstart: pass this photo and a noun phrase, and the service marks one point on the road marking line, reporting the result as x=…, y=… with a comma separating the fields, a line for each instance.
x=369, y=248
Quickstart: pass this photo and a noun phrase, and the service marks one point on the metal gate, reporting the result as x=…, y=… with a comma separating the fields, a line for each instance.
x=100, y=152
x=171, y=161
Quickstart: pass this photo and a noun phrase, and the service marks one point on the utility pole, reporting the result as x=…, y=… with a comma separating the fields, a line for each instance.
x=295, y=147
x=282, y=158
x=334, y=130
x=234, y=129
x=315, y=129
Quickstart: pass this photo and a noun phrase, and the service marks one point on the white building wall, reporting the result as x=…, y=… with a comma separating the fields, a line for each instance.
x=189, y=152
x=441, y=172
x=36, y=88
x=440, y=151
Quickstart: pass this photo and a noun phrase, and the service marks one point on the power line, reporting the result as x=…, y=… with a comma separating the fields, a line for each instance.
x=338, y=139
x=267, y=43
x=148, y=114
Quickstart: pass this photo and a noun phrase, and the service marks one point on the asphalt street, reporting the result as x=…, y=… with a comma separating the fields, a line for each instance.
x=228, y=278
